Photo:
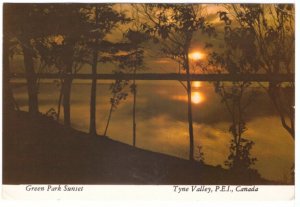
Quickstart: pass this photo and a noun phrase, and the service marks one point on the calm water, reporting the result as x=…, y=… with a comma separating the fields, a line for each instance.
x=162, y=126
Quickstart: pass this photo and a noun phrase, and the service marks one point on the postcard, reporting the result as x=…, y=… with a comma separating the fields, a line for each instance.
x=192, y=101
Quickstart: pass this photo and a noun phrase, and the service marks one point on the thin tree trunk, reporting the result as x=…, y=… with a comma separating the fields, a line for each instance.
x=30, y=77
x=93, y=130
x=133, y=111
x=93, y=95
x=108, y=119
x=190, y=117
x=238, y=147
x=66, y=101
x=60, y=98
x=68, y=82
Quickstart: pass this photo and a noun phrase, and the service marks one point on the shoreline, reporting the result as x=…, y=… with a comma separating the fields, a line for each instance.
x=43, y=151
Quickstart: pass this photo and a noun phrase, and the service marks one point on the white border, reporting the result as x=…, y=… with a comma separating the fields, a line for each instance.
x=163, y=202
x=150, y=193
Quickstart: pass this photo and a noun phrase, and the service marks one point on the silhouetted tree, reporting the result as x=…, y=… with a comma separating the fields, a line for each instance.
x=71, y=25
x=237, y=100
x=174, y=26
x=102, y=19
x=236, y=56
x=9, y=102
x=200, y=155
x=129, y=59
x=44, y=62
x=70, y=68
x=126, y=56
x=25, y=22
x=50, y=57
x=273, y=36
x=68, y=24
x=117, y=90
x=133, y=61
x=237, y=97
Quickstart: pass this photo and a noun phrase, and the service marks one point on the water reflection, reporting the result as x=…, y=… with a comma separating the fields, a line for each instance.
x=162, y=126
x=196, y=84
x=197, y=97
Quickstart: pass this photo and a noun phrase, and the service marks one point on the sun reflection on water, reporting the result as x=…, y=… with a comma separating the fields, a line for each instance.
x=196, y=84
x=197, y=97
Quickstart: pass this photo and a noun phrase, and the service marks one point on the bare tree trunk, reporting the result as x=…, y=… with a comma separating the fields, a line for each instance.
x=93, y=95
x=190, y=117
x=134, y=111
x=108, y=119
x=66, y=100
x=68, y=82
x=240, y=130
x=93, y=130
x=60, y=98
x=30, y=77
x=239, y=133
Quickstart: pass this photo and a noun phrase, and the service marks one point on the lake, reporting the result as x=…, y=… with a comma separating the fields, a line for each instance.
x=162, y=122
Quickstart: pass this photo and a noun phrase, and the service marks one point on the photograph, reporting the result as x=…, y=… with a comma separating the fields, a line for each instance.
x=148, y=94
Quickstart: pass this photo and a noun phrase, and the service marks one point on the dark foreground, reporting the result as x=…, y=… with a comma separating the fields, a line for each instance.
x=41, y=151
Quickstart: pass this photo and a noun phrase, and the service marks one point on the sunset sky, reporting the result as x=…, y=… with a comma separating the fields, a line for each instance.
x=155, y=61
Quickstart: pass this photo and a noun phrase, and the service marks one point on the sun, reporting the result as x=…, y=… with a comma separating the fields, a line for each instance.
x=196, y=56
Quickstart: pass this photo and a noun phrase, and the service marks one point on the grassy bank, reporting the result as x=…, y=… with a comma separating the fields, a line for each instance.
x=41, y=151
